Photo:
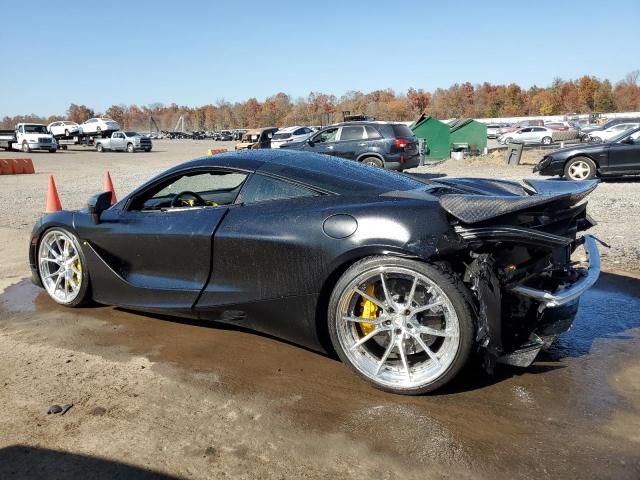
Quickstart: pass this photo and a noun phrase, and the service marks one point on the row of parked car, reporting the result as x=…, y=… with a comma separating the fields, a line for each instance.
x=539, y=132
x=92, y=126
x=380, y=144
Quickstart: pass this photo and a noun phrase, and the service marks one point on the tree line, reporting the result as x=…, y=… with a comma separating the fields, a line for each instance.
x=584, y=95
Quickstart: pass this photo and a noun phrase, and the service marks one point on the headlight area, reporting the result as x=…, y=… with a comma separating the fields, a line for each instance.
x=544, y=163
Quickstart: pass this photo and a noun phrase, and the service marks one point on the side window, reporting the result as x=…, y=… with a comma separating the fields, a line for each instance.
x=261, y=188
x=351, y=134
x=325, y=136
x=372, y=133
x=212, y=189
x=525, y=130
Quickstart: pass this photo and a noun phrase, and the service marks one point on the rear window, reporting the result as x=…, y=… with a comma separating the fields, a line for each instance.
x=281, y=136
x=402, y=131
x=262, y=189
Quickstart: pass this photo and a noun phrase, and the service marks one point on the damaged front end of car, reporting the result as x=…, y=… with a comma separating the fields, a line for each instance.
x=521, y=261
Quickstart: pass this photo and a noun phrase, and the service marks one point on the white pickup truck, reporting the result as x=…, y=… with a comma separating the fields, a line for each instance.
x=123, y=141
x=27, y=137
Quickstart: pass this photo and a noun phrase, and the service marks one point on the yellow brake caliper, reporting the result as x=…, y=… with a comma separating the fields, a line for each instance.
x=77, y=276
x=369, y=310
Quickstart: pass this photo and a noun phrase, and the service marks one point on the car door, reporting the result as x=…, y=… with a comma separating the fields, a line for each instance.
x=117, y=141
x=263, y=254
x=624, y=155
x=155, y=251
x=324, y=141
x=351, y=142
x=522, y=136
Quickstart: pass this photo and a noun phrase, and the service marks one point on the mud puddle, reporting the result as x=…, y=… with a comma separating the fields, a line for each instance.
x=550, y=420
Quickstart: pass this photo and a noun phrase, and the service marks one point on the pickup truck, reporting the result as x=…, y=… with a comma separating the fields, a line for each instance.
x=123, y=141
x=27, y=137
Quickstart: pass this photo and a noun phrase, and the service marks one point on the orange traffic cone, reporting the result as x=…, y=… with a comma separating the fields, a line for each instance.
x=53, y=200
x=108, y=187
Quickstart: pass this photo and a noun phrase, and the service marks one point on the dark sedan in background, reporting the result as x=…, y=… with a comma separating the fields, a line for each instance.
x=619, y=156
x=380, y=144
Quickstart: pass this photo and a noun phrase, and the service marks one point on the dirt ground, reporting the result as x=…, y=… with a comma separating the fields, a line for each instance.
x=157, y=397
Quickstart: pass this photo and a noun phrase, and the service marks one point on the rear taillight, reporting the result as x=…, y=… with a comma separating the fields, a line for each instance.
x=401, y=142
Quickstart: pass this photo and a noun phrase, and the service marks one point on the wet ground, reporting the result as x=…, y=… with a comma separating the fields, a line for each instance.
x=574, y=414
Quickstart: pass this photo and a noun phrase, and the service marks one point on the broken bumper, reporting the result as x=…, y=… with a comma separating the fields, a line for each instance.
x=572, y=292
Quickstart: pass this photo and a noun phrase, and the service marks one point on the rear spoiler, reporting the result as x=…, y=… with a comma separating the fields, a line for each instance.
x=475, y=208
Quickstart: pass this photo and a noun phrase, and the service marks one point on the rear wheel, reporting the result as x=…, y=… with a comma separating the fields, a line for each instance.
x=62, y=268
x=402, y=325
x=373, y=162
x=580, y=168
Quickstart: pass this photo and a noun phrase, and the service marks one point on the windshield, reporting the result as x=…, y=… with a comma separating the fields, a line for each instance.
x=35, y=129
x=622, y=135
x=132, y=134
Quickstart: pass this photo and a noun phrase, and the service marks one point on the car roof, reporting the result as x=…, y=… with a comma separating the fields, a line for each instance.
x=324, y=172
x=288, y=129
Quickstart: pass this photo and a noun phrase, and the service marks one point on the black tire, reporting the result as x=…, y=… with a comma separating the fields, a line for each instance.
x=147, y=150
x=84, y=295
x=25, y=147
x=508, y=140
x=571, y=168
x=596, y=140
x=66, y=133
x=373, y=161
x=130, y=148
x=99, y=148
x=452, y=288
x=547, y=140
x=52, y=150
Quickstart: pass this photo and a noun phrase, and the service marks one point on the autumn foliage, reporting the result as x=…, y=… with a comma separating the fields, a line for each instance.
x=584, y=95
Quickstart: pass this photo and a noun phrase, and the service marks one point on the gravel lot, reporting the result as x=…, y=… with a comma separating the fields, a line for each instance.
x=156, y=397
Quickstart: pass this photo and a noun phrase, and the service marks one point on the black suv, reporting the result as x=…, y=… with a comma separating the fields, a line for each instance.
x=380, y=144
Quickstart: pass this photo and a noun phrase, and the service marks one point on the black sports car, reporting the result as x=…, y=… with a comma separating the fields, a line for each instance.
x=403, y=278
x=618, y=156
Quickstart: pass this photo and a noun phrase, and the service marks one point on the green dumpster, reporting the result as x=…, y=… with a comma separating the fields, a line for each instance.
x=435, y=135
x=470, y=133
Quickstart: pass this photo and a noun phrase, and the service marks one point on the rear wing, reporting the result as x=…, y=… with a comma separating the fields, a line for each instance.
x=475, y=208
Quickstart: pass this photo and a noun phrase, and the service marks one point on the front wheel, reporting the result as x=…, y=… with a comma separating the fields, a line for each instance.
x=25, y=147
x=580, y=168
x=547, y=140
x=402, y=325
x=130, y=148
x=62, y=268
x=508, y=140
x=99, y=148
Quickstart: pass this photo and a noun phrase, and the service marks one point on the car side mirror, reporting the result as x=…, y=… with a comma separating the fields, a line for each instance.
x=97, y=204
x=310, y=143
x=628, y=140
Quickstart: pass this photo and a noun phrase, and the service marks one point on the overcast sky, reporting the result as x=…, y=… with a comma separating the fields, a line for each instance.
x=197, y=52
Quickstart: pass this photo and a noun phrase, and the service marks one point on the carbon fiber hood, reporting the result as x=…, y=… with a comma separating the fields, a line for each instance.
x=489, y=199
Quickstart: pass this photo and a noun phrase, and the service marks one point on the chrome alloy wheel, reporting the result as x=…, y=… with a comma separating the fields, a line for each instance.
x=579, y=170
x=414, y=336
x=60, y=266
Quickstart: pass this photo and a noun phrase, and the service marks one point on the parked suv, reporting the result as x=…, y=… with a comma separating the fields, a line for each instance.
x=380, y=144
